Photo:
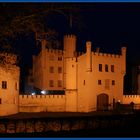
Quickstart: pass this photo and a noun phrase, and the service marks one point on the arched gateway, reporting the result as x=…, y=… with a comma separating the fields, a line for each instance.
x=102, y=101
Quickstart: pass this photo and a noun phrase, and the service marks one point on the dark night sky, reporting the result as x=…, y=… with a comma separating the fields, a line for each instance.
x=108, y=25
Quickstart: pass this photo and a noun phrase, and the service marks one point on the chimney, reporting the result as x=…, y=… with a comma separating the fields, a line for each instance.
x=43, y=44
x=88, y=56
x=97, y=49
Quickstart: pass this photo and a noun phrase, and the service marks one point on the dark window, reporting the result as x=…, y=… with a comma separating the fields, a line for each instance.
x=51, y=69
x=113, y=82
x=4, y=84
x=60, y=58
x=59, y=83
x=84, y=82
x=100, y=67
x=112, y=68
x=0, y=100
x=99, y=82
x=16, y=85
x=59, y=69
x=51, y=83
x=106, y=68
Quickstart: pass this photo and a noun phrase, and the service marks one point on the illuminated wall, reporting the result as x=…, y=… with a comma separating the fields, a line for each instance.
x=9, y=90
x=127, y=99
x=42, y=103
x=48, y=69
x=85, y=77
x=89, y=86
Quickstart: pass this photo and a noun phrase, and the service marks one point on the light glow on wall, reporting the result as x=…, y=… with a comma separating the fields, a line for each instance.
x=33, y=93
x=43, y=92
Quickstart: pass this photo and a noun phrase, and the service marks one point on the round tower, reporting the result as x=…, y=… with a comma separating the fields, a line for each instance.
x=70, y=45
x=9, y=89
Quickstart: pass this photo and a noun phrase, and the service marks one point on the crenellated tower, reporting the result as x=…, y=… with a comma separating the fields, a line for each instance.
x=69, y=45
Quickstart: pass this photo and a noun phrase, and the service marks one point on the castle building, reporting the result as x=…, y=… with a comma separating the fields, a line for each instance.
x=69, y=81
x=91, y=81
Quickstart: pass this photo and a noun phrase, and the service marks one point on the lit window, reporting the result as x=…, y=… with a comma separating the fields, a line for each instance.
x=4, y=84
x=51, y=83
x=107, y=84
x=59, y=58
x=112, y=68
x=106, y=68
x=100, y=67
x=113, y=82
x=51, y=69
x=59, y=83
x=99, y=82
x=59, y=69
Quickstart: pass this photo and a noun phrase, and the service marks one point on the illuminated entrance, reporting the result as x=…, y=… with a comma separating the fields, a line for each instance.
x=102, y=102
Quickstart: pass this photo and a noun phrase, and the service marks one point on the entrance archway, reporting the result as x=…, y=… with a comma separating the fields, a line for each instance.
x=102, y=102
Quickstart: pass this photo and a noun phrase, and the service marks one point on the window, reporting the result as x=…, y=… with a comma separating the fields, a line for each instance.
x=99, y=82
x=59, y=69
x=51, y=69
x=51, y=83
x=107, y=84
x=100, y=67
x=84, y=82
x=112, y=68
x=59, y=83
x=59, y=58
x=0, y=100
x=16, y=86
x=113, y=82
x=106, y=68
x=4, y=84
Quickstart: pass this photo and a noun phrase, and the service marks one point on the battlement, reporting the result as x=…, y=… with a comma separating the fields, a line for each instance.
x=70, y=36
x=55, y=51
x=42, y=103
x=106, y=55
x=127, y=99
x=80, y=53
x=131, y=96
x=41, y=96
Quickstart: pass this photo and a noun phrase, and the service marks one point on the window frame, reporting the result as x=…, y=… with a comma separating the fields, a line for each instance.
x=59, y=69
x=100, y=67
x=51, y=69
x=4, y=85
x=51, y=83
x=106, y=68
x=112, y=68
x=99, y=82
x=113, y=82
